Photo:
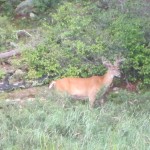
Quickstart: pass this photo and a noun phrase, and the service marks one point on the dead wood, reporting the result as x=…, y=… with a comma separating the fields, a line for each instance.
x=9, y=53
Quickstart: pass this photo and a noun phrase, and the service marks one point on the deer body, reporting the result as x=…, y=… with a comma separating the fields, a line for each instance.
x=87, y=87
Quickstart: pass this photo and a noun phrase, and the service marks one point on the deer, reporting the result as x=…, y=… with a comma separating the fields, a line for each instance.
x=88, y=87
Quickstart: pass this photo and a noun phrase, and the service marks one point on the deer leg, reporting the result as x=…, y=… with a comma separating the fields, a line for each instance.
x=91, y=101
x=104, y=97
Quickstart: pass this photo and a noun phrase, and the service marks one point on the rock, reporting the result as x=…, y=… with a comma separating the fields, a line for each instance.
x=24, y=8
x=32, y=15
x=116, y=89
x=17, y=76
x=23, y=33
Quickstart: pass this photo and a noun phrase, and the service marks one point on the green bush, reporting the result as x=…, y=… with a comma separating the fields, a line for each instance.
x=43, y=60
x=76, y=45
x=2, y=73
x=7, y=33
x=43, y=5
x=128, y=34
x=84, y=32
x=40, y=6
x=8, y=7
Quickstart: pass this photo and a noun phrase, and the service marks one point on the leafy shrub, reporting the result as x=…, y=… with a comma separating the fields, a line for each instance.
x=128, y=34
x=6, y=33
x=70, y=34
x=43, y=61
x=83, y=32
x=2, y=73
x=42, y=5
x=8, y=6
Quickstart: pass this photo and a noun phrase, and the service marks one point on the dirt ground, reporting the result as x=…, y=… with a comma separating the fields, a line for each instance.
x=24, y=94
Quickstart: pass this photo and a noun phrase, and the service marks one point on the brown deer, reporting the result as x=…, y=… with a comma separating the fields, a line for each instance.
x=89, y=87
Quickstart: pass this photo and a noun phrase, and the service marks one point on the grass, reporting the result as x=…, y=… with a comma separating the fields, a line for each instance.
x=123, y=123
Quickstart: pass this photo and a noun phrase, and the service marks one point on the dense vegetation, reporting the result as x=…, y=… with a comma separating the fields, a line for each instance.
x=68, y=39
x=75, y=34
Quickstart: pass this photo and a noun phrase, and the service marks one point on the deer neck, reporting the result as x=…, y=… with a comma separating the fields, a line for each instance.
x=108, y=78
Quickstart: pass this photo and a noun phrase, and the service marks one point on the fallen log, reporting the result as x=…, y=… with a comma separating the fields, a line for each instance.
x=9, y=53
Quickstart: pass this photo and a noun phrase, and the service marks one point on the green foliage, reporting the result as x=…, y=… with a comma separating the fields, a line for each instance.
x=75, y=48
x=84, y=32
x=42, y=60
x=7, y=33
x=2, y=73
x=128, y=34
x=8, y=6
x=42, y=5
x=50, y=125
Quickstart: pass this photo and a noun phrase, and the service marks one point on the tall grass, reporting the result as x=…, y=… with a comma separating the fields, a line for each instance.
x=123, y=123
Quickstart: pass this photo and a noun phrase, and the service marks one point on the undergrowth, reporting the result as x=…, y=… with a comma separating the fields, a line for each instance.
x=122, y=123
